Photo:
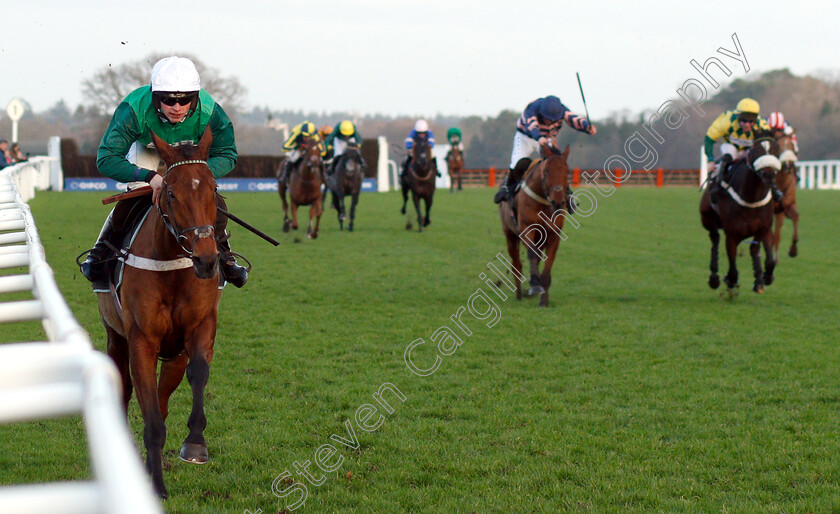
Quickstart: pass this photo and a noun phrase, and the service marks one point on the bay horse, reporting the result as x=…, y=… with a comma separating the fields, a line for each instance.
x=786, y=181
x=346, y=180
x=420, y=179
x=167, y=305
x=305, y=180
x=454, y=163
x=744, y=210
x=540, y=213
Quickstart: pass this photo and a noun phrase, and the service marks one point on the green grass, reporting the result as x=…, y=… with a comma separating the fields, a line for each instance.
x=638, y=389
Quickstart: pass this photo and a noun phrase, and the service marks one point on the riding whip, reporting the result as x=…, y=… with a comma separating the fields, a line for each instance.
x=145, y=190
x=583, y=97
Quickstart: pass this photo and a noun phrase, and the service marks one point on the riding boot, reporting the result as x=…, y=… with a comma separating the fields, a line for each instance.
x=715, y=186
x=93, y=268
x=571, y=203
x=233, y=273
x=504, y=192
x=284, y=175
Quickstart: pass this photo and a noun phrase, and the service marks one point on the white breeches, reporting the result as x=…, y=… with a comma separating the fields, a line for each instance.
x=523, y=146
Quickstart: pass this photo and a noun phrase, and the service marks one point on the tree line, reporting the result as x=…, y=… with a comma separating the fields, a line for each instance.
x=810, y=103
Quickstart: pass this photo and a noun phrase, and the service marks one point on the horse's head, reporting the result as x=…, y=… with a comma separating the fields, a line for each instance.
x=352, y=160
x=555, y=175
x=312, y=152
x=421, y=151
x=787, y=152
x=764, y=157
x=188, y=201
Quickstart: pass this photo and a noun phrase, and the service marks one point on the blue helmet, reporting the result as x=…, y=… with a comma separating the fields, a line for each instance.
x=551, y=108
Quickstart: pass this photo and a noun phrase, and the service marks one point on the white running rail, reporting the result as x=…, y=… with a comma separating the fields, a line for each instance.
x=61, y=376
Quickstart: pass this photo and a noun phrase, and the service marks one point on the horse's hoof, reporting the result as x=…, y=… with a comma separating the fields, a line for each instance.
x=536, y=290
x=714, y=281
x=408, y=226
x=194, y=453
x=768, y=279
x=793, y=251
x=350, y=227
x=162, y=493
x=402, y=211
x=286, y=226
x=758, y=288
x=313, y=235
x=427, y=222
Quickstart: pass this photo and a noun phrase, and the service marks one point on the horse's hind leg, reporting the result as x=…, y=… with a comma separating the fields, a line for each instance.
x=513, y=251
x=286, y=222
x=536, y=280
x=755, y=256
x=793, y=214
x=294, y=215
x=143, y=374
x=770, y=259
x=731, y=278
x=714, y=279
x=778, y=220
x=117, y=349
x=171, y=375
x=404, y=190
x=314, y=213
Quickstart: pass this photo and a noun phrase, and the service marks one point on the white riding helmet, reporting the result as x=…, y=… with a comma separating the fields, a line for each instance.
x=175, y=75
x=421, y=126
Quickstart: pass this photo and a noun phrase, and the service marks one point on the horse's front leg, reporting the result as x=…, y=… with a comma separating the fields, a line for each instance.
x=404, y=188
x=117, y=349
x=513, y=251
x=428, y=220
x=755, y=256
x=143, y=358
x=731, y=278
x=545, y=277
x=416, y=199
x=353, y=202
x=314, y=213
x=171, y=375
x=770, y=258
x=534, y=267
x=294, y=215
x=200, y=352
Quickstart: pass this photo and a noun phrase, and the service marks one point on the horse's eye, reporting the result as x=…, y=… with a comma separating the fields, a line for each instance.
x=170, y=194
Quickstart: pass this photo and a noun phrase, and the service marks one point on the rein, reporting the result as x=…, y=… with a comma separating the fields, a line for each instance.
x=765, y=161
x=547, y=191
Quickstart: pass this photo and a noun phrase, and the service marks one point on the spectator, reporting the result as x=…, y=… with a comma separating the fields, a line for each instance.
x=4, y=156
x=16, y=155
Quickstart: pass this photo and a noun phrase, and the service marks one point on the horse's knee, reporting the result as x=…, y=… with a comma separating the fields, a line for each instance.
x=198, y=371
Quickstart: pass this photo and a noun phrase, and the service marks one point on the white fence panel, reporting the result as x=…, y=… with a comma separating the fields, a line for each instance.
x=819, y=174
x=62, y=376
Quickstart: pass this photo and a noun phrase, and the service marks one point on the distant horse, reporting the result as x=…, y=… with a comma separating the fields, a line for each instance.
x=346, y=180
x=745, y=210
x=167, y=305
x=455, y=163
x=420, y=178
x=786, y=182
x=305, y=179
x=543, y=192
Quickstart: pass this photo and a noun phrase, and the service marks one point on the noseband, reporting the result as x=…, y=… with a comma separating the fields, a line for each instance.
x=200, y=231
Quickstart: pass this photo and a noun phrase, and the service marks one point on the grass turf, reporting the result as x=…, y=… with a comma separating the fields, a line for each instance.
x=639, y=388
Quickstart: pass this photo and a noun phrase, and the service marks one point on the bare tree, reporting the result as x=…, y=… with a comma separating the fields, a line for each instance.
x=108, y=86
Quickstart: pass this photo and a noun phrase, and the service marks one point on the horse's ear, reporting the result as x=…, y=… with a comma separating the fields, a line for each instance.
x=566, y=152
x=204, y=143
x=166, y=152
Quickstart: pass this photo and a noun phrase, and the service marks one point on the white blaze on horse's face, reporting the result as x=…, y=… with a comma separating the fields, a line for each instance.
x=766, y=146
x=195, y=184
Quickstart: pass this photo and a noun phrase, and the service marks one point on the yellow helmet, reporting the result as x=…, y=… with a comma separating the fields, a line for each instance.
x=748, y=105
x=346, y=128
x=307, y=128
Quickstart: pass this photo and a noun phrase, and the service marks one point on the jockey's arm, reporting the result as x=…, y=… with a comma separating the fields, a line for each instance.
x=121, y=133
x=223, y=152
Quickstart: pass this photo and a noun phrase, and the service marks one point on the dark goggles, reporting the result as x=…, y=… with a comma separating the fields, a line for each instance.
x=746, y=119
x=172, y=100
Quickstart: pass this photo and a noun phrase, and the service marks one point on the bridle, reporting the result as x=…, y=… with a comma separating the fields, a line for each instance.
x=181, y=235
x=424, y=153
x=547, y=191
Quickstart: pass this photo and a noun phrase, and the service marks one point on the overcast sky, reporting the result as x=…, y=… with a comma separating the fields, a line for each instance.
x=420, y=57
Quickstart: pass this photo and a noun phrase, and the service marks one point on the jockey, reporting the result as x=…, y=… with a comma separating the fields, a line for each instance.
x=343, y=134
x=780, y=126
x=292, y=145
x=176, y=108
x=454, y=136
x=737, y=129
x=419, y=132
x=539, y=124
